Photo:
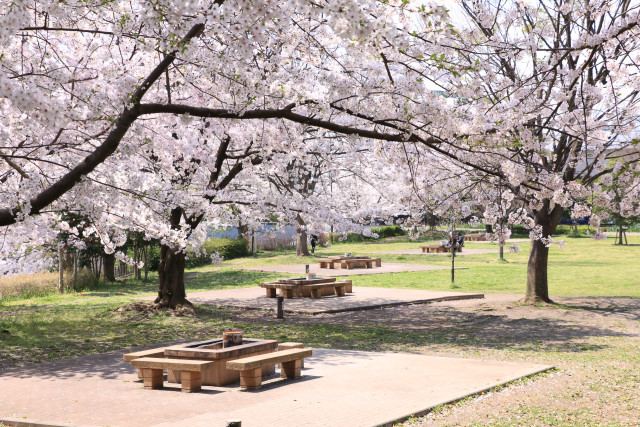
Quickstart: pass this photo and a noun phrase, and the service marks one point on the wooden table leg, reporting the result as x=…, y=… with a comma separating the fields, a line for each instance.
x=291, y=370
x=251, y=379
x=191, y=381
x=152, y=378
x=271, y=292
x=349, y=286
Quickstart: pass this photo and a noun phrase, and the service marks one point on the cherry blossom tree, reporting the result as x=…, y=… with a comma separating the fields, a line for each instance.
x=539, y=97
x=74, y=81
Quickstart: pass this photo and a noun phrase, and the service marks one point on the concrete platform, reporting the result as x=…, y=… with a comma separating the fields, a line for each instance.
x=338, y=388
x=336, y=272
x=361, y=299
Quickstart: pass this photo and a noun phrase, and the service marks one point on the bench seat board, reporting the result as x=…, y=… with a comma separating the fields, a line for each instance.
x=325, y=285
x=278, y=286
x=155, y=352
x=177, y=364
x=267, y=359
x=307, y=281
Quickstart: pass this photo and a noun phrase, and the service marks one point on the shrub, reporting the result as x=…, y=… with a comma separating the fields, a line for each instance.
x=568, y=230
x=153, y=258
x=385, y=232
x=519, y=229
x=389, y=231
x=228, y=248
x=561, y=230
x=350, y=238
x=323, y=239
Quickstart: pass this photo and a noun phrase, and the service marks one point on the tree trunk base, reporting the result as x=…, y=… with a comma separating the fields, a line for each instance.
x=529, y=300
x=184, y=308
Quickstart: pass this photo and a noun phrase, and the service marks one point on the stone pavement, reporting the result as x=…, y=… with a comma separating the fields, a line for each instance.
x=335, y=272
x=338, y=388
x=361, y=299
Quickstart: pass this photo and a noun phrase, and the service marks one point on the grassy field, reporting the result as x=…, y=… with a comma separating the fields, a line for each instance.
x=582, y=268
x=53, y=326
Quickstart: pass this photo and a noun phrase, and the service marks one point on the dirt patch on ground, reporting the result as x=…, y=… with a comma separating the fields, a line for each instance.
x=146, y=309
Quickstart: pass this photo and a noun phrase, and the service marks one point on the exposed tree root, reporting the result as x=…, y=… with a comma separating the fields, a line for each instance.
x=180, y=310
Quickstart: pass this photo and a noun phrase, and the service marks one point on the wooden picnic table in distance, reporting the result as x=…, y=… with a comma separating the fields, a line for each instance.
x=349, y=262
x=435, y=249
x=307, y=288
x=477, y=237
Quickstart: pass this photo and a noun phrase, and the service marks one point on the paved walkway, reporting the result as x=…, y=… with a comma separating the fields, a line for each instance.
x=335, y=272
x=361, y=299
x=339, y=388
x=418, y=251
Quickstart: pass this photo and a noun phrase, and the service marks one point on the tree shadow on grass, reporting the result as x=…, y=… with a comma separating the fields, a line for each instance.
x=626, y=308
x=410, y=329
x=414, y=328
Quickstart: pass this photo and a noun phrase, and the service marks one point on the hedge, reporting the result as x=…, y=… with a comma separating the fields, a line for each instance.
x=227, y=248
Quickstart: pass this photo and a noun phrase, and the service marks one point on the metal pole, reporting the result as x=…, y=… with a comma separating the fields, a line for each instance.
x=60, y=270
x=306, y=268
x=453, y=264
x=453, y=254
x=280, y=312
x=254, y=243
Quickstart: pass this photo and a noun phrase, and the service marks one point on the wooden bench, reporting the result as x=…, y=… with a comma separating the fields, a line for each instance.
x=435, y=249
x=356, y=263
x=286, y=289
x=326, y=262
x=477, y=237
x=154, y=352
x=190, y=371
x=251, y=367
x=316, y=290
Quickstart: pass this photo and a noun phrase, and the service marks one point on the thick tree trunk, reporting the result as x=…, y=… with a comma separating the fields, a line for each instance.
x=488, y=228
x=171, y=290
x=75, y=271
x=243, y=232
x=620, y=234
x=109, y=267
x=301, y=239
x=431, y=221
x=537, y=283
x=146, y=262
x=138, y=257
x=60, y=270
